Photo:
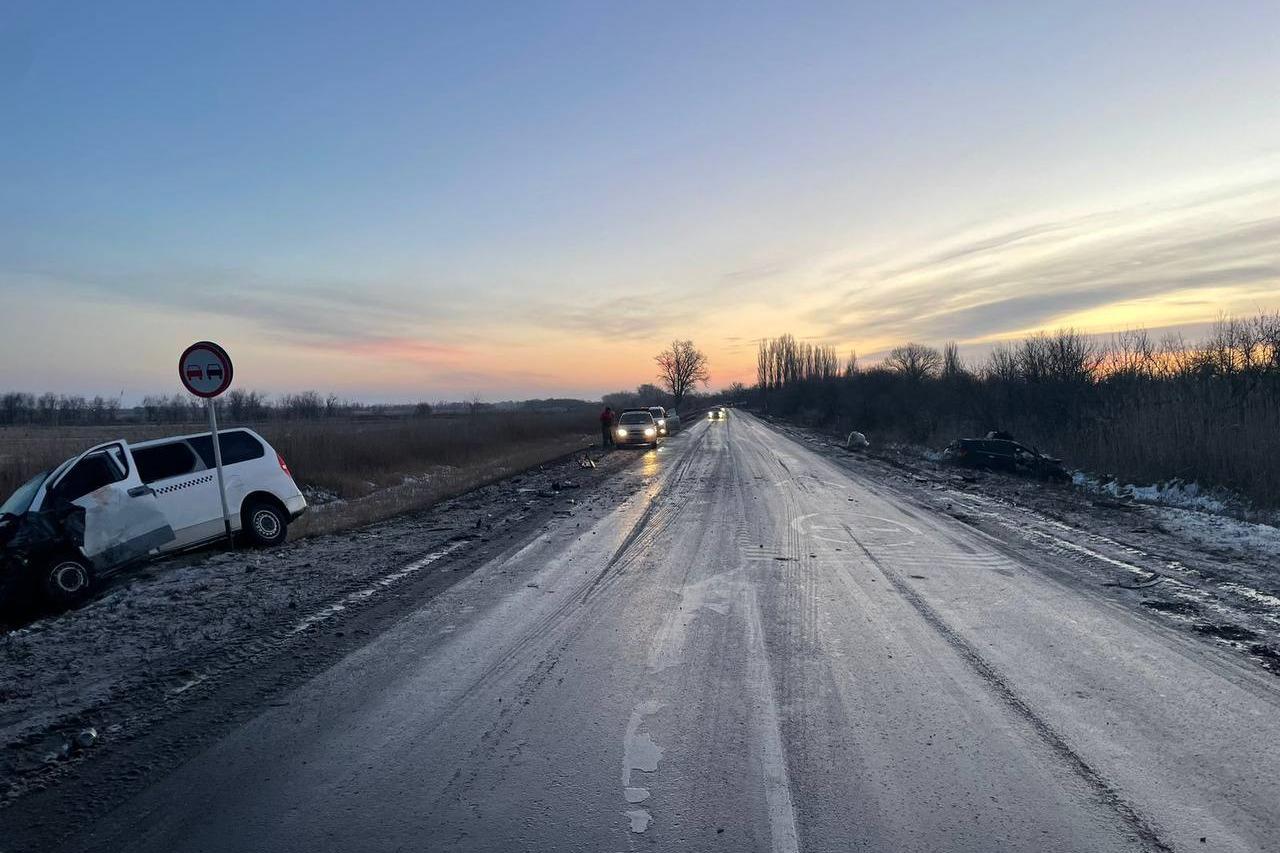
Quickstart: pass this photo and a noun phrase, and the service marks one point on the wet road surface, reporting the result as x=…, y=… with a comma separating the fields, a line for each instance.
x=753, y=649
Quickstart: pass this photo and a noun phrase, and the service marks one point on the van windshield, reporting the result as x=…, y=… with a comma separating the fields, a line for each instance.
x=20, y=501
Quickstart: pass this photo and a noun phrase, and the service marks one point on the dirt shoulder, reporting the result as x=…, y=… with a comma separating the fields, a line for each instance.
x=1208, y=575
x=174, y=634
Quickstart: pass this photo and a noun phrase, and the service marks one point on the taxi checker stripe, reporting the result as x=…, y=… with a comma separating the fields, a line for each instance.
x=164, y=490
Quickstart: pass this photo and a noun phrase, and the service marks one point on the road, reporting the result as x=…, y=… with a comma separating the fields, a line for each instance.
x=753, y=649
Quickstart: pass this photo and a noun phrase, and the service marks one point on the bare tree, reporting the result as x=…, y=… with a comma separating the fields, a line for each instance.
x=681, y=368
x=952, y=364
x=851, y=364
x=915, y=361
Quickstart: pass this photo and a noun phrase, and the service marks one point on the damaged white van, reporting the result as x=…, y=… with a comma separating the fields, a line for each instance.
x=119, y=502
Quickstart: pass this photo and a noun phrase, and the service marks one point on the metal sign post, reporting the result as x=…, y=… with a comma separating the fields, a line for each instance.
x=205, y=370
x=217, y=461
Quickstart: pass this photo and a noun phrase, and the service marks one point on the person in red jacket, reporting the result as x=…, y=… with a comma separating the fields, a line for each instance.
x=606, y=428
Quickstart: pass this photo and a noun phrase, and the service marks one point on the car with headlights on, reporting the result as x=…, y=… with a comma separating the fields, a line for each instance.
x=716, y=413
x=636, y=426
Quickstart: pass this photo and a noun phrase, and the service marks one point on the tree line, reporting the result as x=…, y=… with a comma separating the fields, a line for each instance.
x=1133, y=405
x=19, y=408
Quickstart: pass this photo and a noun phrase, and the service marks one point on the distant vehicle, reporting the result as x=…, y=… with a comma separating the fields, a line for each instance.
x=674, y=424
x=1004, y=455
x=717, y=413
x=636, y=426
x=118, y=503
x=667, y=421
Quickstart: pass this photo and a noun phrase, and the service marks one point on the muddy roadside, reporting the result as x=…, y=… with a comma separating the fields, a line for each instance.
x=215, y=634
x=1210, y=576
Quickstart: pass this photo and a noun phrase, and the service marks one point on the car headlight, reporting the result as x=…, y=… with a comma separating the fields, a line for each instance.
x=662, y=422
x=622, y=433
x=650, y=431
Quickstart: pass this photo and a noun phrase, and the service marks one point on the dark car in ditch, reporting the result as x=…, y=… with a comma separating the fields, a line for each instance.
x=998, y=454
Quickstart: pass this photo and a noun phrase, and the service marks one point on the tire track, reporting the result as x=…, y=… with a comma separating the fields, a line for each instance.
x=1102, y=789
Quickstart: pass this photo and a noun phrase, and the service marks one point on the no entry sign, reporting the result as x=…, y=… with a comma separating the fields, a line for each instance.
x=205, y=369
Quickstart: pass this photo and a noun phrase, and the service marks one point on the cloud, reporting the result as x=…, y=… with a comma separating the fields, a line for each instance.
x=642, y=314
x=349, y=313
x=1032, y=276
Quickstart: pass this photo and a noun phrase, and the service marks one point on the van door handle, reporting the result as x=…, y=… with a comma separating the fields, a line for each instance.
x=139, y=491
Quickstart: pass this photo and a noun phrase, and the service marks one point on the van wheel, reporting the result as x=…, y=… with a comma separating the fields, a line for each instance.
x=265, y=524
x=67, y=581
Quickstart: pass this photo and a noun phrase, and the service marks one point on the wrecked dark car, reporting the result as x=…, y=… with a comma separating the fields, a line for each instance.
x=998, y=454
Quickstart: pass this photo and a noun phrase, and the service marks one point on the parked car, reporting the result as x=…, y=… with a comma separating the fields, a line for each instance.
x=667, y=420
x=636, y=426
x=118, y=503
x=674, y=424
x=1004, y=455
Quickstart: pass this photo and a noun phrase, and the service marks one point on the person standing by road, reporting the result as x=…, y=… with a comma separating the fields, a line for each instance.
x=606, y=428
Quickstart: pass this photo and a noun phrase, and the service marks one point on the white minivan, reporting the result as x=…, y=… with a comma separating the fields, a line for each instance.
x=142, y=499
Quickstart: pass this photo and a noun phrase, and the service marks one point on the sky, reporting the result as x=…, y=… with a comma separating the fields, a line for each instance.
x=399, y=201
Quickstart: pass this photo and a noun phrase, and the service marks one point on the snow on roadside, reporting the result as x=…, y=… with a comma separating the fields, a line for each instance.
x=1213, y=519
x=1174, y=493
x=1218, y=532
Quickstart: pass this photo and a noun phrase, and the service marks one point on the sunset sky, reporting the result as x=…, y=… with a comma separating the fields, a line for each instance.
x=403, y=201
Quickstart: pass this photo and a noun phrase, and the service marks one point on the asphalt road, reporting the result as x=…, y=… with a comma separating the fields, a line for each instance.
x=752, y=649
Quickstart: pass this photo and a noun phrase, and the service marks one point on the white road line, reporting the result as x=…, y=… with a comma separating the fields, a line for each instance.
x=329, y=611
x=639, y=752
x=773, y=760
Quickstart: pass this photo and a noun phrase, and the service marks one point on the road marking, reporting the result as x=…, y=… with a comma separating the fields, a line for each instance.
x=639, y=819
x=329, y=611
x=639, y=752
x=773, y=760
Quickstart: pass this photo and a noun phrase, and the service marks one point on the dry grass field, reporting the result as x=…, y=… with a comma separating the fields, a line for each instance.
x=375, y=467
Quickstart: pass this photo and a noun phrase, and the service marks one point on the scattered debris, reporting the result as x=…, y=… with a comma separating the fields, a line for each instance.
x=1181, y=606
x=1232, y=633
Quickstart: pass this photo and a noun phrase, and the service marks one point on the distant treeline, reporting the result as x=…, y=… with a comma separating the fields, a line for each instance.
x=651, y=395
x=1133, y=406
x=18, y=408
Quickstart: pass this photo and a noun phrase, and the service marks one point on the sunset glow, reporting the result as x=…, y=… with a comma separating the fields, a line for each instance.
x=393, y=219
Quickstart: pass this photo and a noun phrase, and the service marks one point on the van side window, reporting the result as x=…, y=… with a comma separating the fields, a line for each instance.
x=237, y=446
x=89, y=474
x=164, y=461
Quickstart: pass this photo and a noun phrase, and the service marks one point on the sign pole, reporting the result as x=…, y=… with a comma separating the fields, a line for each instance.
x=217, y=461
x=205, y=370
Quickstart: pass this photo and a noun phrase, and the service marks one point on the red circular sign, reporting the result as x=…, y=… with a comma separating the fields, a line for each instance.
x=205, y=369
